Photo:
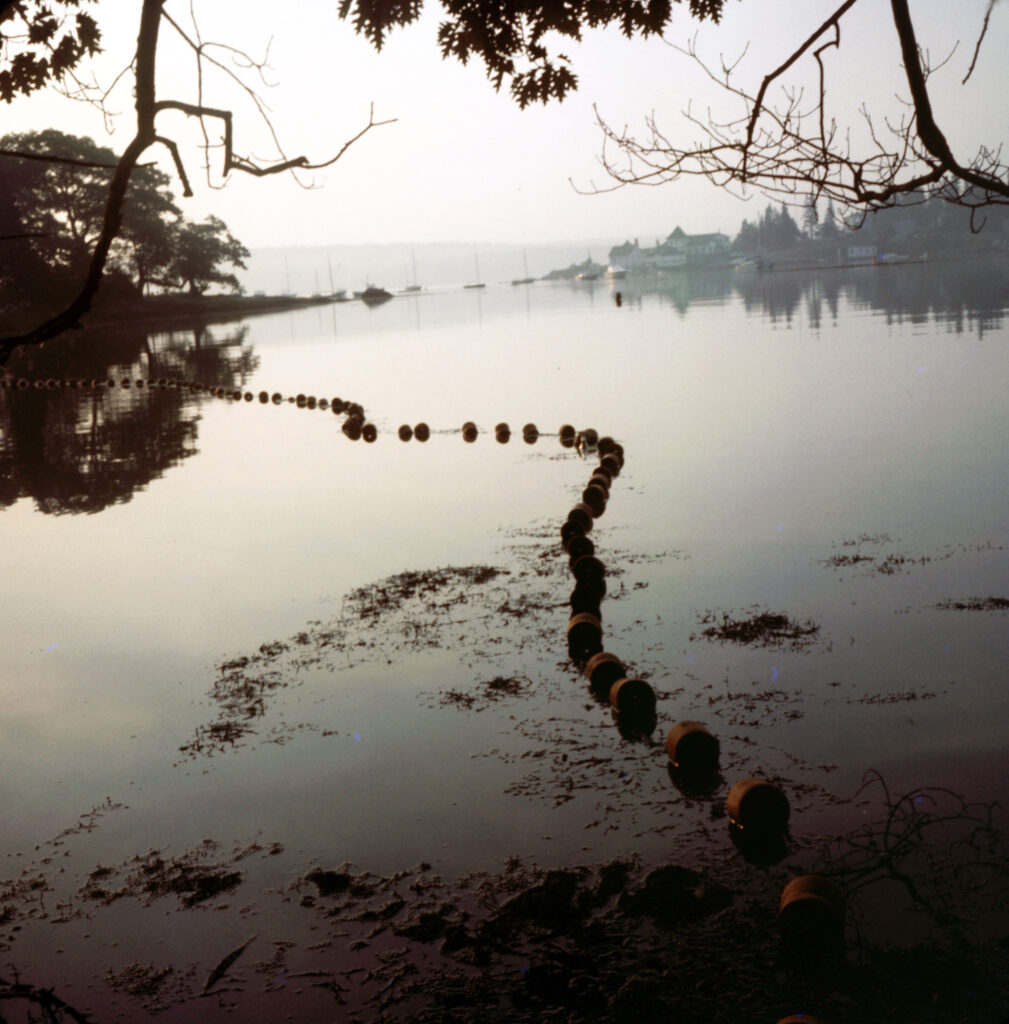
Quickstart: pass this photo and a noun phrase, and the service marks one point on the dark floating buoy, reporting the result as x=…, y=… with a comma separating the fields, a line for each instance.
x=125, y=382
x=530, y=433
x=762, y=849
x=578, y=546
x=310, y=402
x=693, y=758
x=405, y=432
x=759, y=806
x=569, y=531
x=586, y=599
x=248, y=396
x=469, y=432
x=352, y=427
x=369, y=432
x=323, y=404
x=338, y=405
x=595, y=498
x=567, y=442
x=692, y=749
x=811, y=921
x=588, y=569
x=585, y=636
x=567, y=431
x=632, y=697
x=636, y=724
x=277, y=398
x=602, y=670
x=590, y=437
x=353, y=409
x=612, y=464
x=595, y=585
x=302, y=401
x=502, y=433
x=581, y=516
x=605, y=444
x=619, y=299
x=422, y=431
x=601, y=479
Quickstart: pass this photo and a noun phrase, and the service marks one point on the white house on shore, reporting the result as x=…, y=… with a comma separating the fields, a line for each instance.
x=677, y=251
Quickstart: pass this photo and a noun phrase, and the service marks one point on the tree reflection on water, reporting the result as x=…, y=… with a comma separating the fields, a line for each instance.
x=82, y=449
x=969, y=295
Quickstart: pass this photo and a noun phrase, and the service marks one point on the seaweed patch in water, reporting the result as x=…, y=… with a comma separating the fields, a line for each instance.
x=486, y=693
x=390, y=594
x=192, y=877
x=975, y=604
x=762, y=629
x=893, y=698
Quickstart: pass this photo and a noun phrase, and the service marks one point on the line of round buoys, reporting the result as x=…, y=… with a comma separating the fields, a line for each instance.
x=355, y=427
x=632, y=700
x=811, y=912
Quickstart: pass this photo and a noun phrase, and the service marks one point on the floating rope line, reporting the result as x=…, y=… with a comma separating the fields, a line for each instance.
x=758, y=811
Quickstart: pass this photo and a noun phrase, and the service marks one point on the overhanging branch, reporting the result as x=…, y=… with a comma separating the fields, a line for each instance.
x=793, y=150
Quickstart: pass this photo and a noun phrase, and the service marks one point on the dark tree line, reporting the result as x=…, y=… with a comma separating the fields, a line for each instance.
x=51, y=215
x=912, y=227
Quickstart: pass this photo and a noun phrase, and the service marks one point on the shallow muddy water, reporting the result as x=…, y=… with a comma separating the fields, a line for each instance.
x=291, y=730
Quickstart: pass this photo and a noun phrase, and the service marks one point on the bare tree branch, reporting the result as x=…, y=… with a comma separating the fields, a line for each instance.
x=49, y=159
x=980, y=40
x=147, y=109
x=794, y=150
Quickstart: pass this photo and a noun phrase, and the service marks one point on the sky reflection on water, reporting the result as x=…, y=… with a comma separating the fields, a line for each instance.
x=792, y=444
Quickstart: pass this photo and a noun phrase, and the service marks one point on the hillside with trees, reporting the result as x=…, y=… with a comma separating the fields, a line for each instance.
x=914, y=227
x=51, y=215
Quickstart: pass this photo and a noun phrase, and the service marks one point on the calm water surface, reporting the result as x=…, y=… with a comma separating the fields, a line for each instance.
x=189, y=654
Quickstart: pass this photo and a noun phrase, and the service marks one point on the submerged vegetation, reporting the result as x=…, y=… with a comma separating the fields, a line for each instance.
x=761, y=629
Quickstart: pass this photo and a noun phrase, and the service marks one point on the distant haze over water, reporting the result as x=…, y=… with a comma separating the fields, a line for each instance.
x=306, y=269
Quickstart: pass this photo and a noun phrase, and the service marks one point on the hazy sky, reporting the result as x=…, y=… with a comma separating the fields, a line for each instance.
x=462, y=163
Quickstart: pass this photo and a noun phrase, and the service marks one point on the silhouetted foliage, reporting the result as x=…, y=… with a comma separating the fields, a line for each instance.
x=510, y=36
x=41, y=42
x=199, y=252
x=52, y=213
